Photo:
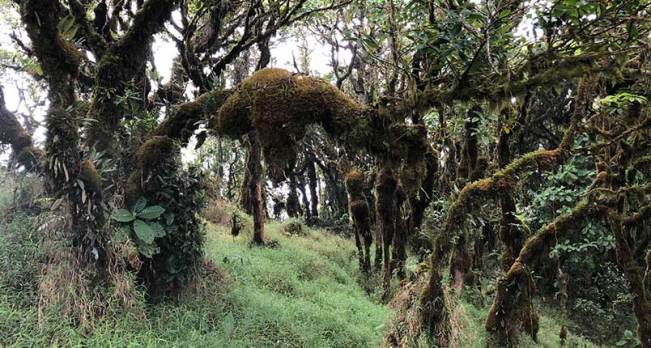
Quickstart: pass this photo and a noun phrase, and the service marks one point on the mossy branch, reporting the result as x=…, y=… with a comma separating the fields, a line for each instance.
x=58, y=57
x=121, y=63
x=506, y=178
x=473, y=193
x=184, y=120
x=22, y=145
x=93, y=39
x=565, y=69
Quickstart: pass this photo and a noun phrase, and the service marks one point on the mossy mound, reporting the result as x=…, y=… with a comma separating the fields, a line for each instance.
x=280, y=106
x=91, y=178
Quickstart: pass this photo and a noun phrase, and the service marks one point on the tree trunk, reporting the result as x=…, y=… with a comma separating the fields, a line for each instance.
x=313, y=182
x=385, y=205
x=634, y=275
x=254, y=188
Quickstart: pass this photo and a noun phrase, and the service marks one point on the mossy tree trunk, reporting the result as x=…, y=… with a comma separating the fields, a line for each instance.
x=637, y=281
x=386, y=190
x=254, y=188
x=59, y=60
x=399, y=250
x=361, y=217
x=519, y=314
x=313, y=183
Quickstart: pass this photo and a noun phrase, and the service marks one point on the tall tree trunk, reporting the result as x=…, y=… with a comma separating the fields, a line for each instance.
x=254, y=188
x=636, y=279
x=386, y=188
x=313, y=182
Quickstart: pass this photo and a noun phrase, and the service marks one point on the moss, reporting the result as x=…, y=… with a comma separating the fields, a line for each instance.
x=412, y=176
x=91, y=178
x=155, y=151
x=30, y=157
x=280, y=106
x=355, y=183
x=151, y=157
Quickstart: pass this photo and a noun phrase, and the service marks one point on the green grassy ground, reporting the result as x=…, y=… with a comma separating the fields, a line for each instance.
x=304, y=293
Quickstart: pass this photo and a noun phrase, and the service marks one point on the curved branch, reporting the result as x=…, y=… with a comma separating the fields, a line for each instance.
x=13, y=133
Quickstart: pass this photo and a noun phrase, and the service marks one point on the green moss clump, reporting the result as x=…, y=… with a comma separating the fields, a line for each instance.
x=280, y=106
x=155, y=151
x=153, y=157
x=91, y=178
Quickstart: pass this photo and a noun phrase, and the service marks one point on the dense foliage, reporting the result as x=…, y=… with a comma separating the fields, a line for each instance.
x=486, y=159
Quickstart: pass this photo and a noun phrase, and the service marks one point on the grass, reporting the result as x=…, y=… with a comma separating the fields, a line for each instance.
x=473, y=333
x=305, y=293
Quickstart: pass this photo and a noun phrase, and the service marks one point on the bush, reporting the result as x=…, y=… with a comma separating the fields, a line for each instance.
x=294, y=227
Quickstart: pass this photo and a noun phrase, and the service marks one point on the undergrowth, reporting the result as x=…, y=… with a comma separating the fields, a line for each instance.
x=306, y=292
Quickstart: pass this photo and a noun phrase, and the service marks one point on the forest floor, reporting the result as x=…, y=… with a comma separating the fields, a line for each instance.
x=306, y=292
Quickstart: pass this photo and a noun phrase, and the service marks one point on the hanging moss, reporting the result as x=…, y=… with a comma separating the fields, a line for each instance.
x=360, y=214
x=280, y=106
x=355, y=183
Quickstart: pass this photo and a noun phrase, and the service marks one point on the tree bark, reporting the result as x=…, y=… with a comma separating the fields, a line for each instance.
x=254, y=188
x=312, y=179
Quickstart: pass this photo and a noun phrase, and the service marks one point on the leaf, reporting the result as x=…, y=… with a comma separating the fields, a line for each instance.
x=151, y=212
x=140, y=205
x=147, y=250
x=144, y=232
x=169, y=219
x=123, y=215
x=158, y=229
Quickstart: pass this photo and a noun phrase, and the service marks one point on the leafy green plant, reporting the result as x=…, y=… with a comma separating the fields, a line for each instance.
x=143, y=223
x=628, y=340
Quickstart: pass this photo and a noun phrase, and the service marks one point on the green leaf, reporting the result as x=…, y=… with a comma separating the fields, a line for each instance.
x=158, y=229
x=147, y=250
x=140, y=205
x=144, y=232
x=123, y=215
x=151, y=212
x=169, y=219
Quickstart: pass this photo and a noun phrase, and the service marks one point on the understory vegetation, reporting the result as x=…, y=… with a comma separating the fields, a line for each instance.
x=307, y=292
